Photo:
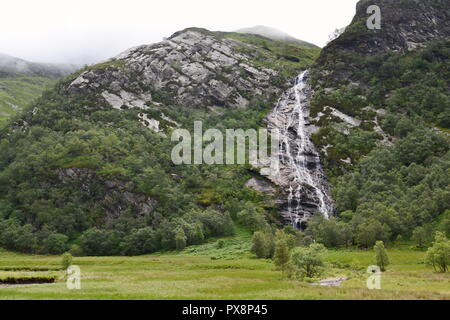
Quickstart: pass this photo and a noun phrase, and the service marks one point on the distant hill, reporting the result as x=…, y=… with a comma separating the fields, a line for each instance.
x=12, y=66
x=22, y=81
x=275, y=34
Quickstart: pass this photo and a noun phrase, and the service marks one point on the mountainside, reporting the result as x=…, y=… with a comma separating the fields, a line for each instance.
x=89, y=162
x=21, y=82
x=364, y=154
x=274, y=34
x=380, y=117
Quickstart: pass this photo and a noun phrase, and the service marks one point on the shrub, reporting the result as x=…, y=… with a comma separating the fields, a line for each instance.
x=180, y=239
x=95, y=242
x=66, y=260
x=329, y=232
x=220, y=244
x=252, y=218
x=140, y=241
x=56, y=243
x=371, y=231
x=76, y=251
x=421, y=236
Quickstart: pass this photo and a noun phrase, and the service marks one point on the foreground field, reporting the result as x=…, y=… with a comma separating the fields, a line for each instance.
x=229, y=272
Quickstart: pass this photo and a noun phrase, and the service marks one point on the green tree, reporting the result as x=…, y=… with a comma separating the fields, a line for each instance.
x=371, y=231
x=307, y=262
x=56, y=243
x=140, y=241
x=261, y=245
x=421, y=236
x=444, y=226
x=439, y=254
x=180, y=239
x=381, y=255
x=95, y=242
x=66, y=260
x=330, y=232
x=281, y=255
x=291, y=237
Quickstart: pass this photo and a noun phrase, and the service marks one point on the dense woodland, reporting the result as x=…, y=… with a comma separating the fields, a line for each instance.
x=63, y=171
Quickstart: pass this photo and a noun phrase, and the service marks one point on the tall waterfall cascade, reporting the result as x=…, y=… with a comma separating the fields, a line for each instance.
x=300, y=174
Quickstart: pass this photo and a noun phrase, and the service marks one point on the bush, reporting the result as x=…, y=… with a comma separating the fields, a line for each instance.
x=66, y=260
x=76, y=251
x=444, y=225
x=330, y=232
x=422, y=236
x=220, y=244
x=215, y=223
x=95, y=242
x=56, y=243
x=251, y=217
x=180, y=239
x=371, y=231
x=140, y=241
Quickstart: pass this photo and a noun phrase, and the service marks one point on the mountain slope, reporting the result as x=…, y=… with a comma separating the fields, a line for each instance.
x=274, y=34
x=17, y=92
x=380, y=113
x=89, y=163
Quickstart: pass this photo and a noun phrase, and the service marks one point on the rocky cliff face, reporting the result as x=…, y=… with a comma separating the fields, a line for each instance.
x=405, y=25
x=192, y=69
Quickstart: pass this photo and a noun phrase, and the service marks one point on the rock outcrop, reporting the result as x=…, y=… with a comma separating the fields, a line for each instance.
x=405, y=25
x=192, y=68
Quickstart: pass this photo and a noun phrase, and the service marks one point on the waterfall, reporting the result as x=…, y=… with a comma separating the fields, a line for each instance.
x=301, y=174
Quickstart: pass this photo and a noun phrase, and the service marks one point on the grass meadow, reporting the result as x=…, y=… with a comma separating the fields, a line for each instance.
x=225, y=271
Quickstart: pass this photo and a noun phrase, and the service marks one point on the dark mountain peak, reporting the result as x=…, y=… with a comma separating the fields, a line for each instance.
x=405, y=25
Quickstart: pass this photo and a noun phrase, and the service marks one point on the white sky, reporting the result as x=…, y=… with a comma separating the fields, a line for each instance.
x=86, y=31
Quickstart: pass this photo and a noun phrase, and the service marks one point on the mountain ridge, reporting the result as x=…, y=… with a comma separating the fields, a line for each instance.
x=275, y=34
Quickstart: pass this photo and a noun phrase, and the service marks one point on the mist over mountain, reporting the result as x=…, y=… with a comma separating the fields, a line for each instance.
x=275, y=34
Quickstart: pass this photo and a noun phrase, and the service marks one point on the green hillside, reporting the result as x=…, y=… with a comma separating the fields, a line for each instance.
x=16, y=92
x=93, y=178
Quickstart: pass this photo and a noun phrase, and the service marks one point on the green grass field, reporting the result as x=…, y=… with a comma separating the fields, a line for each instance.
x=230, y=272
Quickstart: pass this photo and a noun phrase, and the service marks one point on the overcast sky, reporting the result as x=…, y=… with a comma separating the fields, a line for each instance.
x=87, y=31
